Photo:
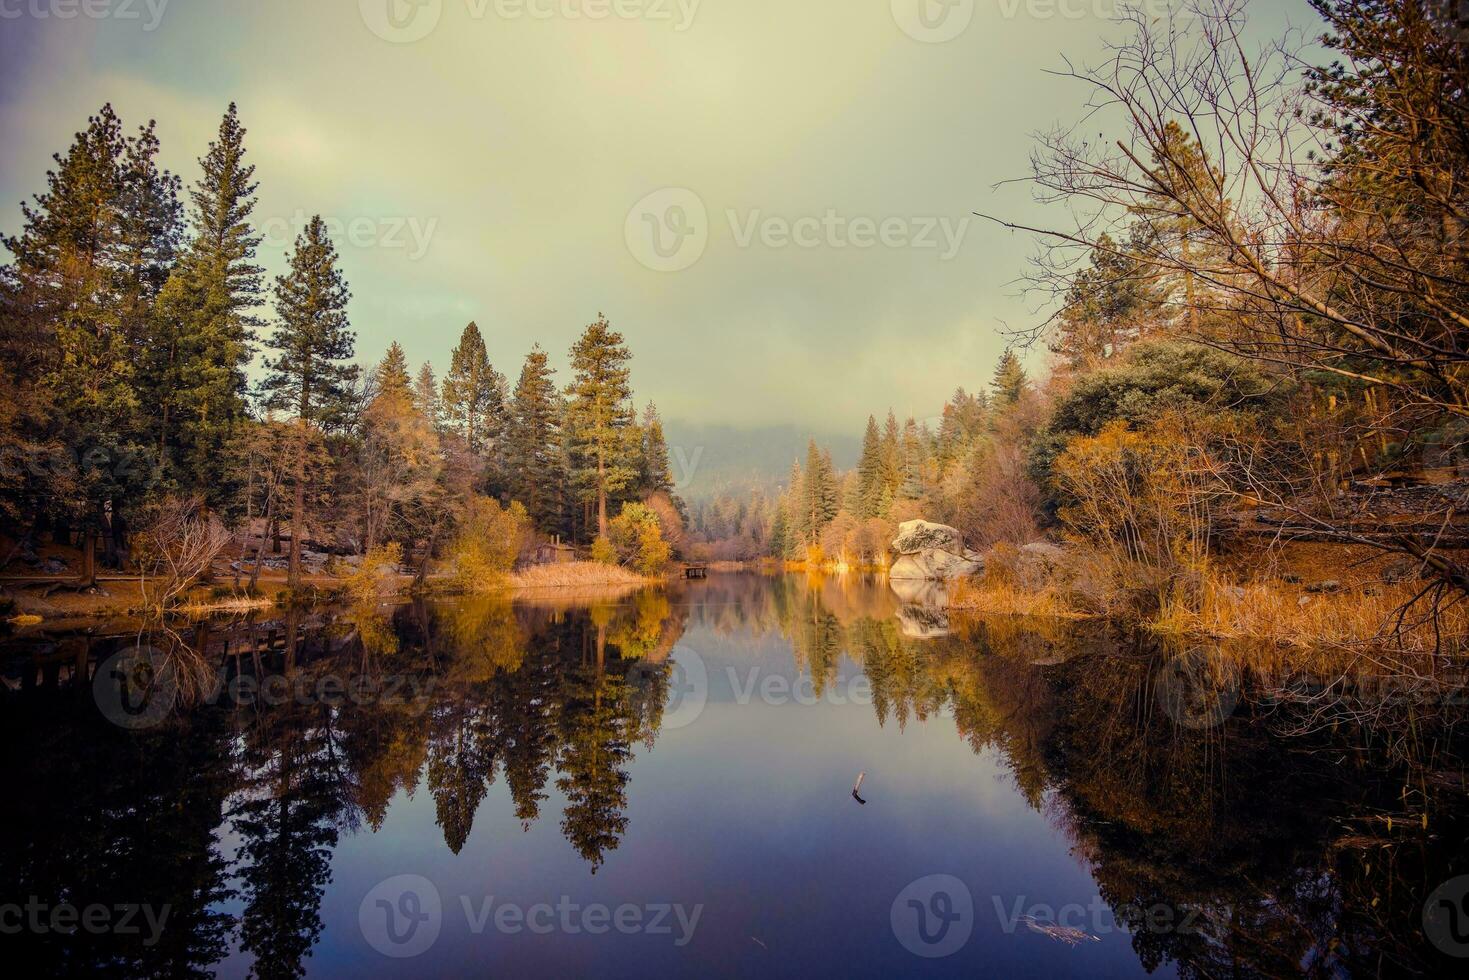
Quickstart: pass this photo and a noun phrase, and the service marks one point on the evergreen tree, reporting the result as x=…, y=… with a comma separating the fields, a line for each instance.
x=207, y=320
x=1109, y=304
x=892, y=459
x=819, y=491
x=1182, y=165
x=797, y=513
x=870, y=473
x=390, y=378
x=312, y=339
x=534, y=452
x=87, y=265
x=656, y=474
x=426, y=396
x=474, y=394
x=1010, y=381
x=599, y=417
x=914, y=457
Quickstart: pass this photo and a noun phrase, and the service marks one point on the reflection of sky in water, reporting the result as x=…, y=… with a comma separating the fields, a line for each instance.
x=747, y=810
x=1029, y=762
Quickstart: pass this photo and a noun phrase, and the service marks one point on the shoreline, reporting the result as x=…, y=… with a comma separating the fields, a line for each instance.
x=121, y=598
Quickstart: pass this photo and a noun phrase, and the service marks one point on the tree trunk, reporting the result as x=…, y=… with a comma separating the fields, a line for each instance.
x=601, y=499
x=264, y=533
x=88, y=577
x=428, y=553
x=298, y=510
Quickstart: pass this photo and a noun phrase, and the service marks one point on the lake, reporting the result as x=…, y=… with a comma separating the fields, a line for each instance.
x=666, y=783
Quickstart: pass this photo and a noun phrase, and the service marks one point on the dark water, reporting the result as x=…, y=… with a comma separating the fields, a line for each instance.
x=663, y=785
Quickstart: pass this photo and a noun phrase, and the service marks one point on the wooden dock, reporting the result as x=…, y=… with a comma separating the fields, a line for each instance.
x=696, y=571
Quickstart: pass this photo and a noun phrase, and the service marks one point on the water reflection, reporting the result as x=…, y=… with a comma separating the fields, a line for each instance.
x=1264, y=855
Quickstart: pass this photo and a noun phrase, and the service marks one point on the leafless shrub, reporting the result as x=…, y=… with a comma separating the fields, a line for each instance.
x=177, y=545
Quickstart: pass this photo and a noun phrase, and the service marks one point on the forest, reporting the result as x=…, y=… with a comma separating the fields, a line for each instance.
x=134, y=429
x=1254, y=375
x=1256, y=395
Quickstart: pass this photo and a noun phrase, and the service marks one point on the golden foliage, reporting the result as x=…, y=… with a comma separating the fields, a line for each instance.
x=490, y=538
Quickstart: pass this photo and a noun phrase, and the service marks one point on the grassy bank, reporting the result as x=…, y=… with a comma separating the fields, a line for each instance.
x=124, y=596
x=1293, y=598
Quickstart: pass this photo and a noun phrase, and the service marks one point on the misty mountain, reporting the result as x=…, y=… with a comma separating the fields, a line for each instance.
x=709, y=460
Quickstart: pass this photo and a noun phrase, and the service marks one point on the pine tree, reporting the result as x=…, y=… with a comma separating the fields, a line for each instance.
x=87, y=265
x=390, y=378
x=1183, y=166
x=797, y=512
x=819, y=493
x=869, y=473
x=1010, y=381
x=474, y=394
x=207, y=319
x=312, y=339
x=892, y=458
x=1109, y=304
x=656, y=475
x=534, y=452
x=914, y=457
x=426, y=396
x=599, y=417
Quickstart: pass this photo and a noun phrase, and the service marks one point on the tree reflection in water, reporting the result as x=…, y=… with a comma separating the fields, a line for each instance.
x=1309, y=853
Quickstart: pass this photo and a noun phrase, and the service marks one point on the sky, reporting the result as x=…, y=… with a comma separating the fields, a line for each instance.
x=771, y=199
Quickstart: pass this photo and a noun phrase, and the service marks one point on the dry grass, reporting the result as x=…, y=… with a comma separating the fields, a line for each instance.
x=1357, y=616
x=234, y=604
x=1004, y=599
x=577, y=575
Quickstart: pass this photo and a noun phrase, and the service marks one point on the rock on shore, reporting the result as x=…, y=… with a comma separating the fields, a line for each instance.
x=932, y=552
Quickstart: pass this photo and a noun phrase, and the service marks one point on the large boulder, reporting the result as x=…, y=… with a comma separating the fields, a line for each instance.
x=932, y=552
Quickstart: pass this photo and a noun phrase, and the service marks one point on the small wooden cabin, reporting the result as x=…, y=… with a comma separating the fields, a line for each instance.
x=553, y=553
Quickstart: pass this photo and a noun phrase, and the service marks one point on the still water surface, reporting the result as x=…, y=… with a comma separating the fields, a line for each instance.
x=662, y=784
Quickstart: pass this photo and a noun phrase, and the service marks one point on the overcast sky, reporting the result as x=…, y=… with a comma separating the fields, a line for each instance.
x=769, y=198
